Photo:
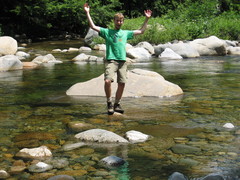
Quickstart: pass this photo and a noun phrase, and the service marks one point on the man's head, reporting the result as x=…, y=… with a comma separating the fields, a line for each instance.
x=118, y=20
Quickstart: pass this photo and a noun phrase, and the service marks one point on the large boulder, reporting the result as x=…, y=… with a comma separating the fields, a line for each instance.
x=10, y=62
x=139, y=54
x=169, y=54
x=147, y=46
x=209, y=46
x=49, y=58
x=233, y=50
x=140, y=83
x=183, y=49
x=90, y=35
x=8, y=45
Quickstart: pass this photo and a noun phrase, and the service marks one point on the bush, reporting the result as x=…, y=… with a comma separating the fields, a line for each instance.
x=225, y=26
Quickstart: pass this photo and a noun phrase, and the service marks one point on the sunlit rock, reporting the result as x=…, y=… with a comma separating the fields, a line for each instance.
x=100, y=135
x=209, y=46
x=140, y=83
x=183, y=49
x=34, y=153
x=22, y=55
x=136, y=136
x=233, y=50
x=169, y=54
x=139, y=53
x=146, y=45
x=49, y=58
x=4, y=174
x=73, y=49
x=83, y=48
x=228, y=125
x=8, y=45
x=10, y=62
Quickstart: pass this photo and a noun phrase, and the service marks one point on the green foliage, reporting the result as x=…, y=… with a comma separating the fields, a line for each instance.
x=225, y=26
x=172, y=20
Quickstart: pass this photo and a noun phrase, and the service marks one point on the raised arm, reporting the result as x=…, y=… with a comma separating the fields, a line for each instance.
x=148, y=14
x=91, y=23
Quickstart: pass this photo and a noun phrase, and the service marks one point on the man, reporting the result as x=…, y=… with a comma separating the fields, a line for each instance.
x=116, y=40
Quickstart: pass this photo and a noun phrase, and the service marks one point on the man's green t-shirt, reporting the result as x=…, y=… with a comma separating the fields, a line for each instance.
x=116, y=42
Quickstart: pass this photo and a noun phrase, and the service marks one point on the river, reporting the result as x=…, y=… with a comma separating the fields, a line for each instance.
x=35, y=101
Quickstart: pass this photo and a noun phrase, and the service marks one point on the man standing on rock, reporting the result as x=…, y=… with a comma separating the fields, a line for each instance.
x=116, y=40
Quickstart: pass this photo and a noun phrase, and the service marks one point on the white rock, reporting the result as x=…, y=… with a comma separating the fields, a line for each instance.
x=41, y=165
x=42, y=151
x=100, y=47
x=136, y=136
x=233, y=50
x=57, y=50
x=83, y=48
x=228, y=125
x=100, y=135
x=22, y=55
x=49, y=58
x=81, y=57
x=10, y=62
x=4, y=174
x=139, y=53
x=169, y=54
x=73, y=50
x=147, y=46
x=140, y=83
x=8, y=45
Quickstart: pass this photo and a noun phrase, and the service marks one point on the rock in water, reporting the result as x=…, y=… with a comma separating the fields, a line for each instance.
x=136, y=136
x=112, y=161
x=100, y=135
x=177, y=176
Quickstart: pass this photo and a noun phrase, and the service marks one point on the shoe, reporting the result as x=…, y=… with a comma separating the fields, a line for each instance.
x=117, y=108
x=110, y=108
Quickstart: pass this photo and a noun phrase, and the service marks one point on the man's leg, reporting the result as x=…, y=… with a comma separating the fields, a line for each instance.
x=119, y=92
x=107, y=88
x=117, y=107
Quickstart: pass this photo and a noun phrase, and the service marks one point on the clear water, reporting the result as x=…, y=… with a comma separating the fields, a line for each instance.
x=34, y=101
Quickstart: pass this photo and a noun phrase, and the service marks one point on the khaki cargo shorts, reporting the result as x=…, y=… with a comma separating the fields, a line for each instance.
x=112, y=67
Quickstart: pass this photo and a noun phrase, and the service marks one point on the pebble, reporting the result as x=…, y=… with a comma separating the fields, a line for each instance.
x=3, y=174
x=228, y=125
x=40, y=167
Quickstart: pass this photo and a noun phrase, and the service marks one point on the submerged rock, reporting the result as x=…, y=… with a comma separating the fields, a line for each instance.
x=61, y=177
x=40, y=167
x=177, y=176
x=140, y=83
x=213, y=177
x=185, y=149
x=112, y=161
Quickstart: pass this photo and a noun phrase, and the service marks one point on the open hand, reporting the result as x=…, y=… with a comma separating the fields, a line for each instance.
x=148, y=13
x=86, y=7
